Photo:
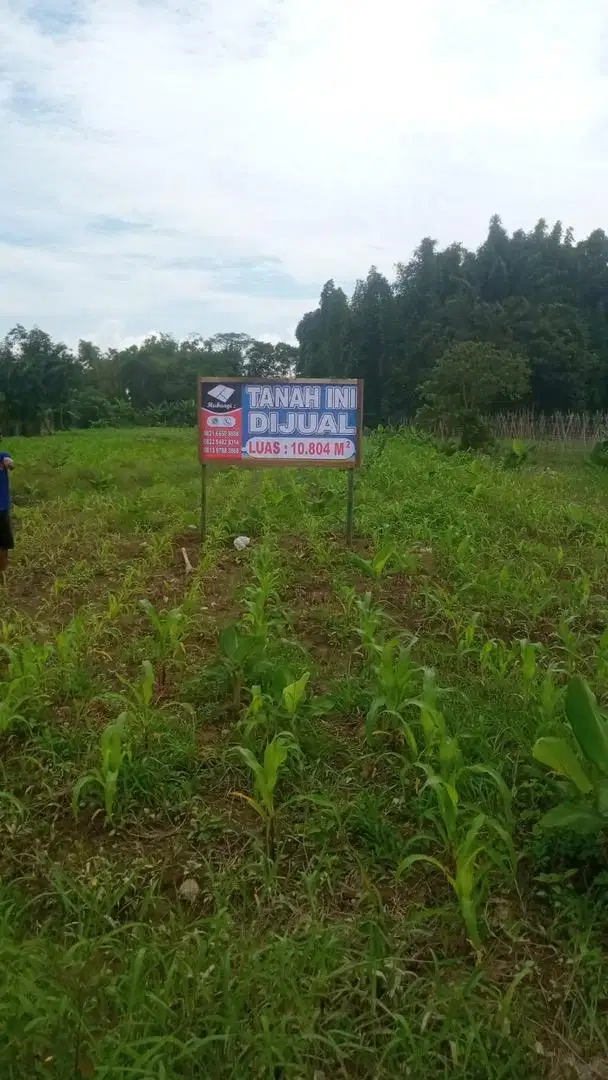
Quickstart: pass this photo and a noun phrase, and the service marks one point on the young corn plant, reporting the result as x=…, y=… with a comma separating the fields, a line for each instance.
x=169, y=629
x=114, y=607
x=376, y=566
x=294, y=695
x=13, y=705
x=396, y=679
x=140, y=693
x=466, y=642
x=469, y=844
x=257, y=620
x=258, y=715
x=431, y=718
x=496, y=659
x=104, y=779
x=369, y=628
x=243, y=658
x=464, y=874
x=136, y=701
x=25, y=684
x=265, y=778
x=137, y=698
x=586, y=808
x=261, y=598
x=570, y=644
x=70, y=648
x=245, y=647
x=528, y=651
x=28, y=663
x=268, y=712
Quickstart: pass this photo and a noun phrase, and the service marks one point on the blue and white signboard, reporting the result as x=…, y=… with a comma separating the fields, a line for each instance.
x=280, y=422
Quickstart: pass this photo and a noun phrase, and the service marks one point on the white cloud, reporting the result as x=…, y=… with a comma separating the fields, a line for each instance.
x=322, y=134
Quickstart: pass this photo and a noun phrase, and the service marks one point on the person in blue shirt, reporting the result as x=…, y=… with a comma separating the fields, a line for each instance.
x=7, y=542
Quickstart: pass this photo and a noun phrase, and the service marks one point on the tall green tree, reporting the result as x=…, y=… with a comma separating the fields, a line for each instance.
x=323, y=336
x=37, y=378
x=469, y=381
x=373, y=342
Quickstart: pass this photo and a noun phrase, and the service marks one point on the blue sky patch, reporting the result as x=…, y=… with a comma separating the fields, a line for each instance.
x=112, y=226
x=56, y=18
x=265, y=281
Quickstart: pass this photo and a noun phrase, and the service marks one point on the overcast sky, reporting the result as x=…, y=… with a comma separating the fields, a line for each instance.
x=205, y=165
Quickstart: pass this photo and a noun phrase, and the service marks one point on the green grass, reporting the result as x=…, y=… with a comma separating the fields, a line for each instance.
x=308, y=943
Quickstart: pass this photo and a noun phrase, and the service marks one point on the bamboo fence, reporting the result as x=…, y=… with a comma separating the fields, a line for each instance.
x=568, y=429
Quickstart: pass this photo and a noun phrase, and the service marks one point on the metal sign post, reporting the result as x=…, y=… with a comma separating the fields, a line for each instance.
x=203, y=502
x=261, y=423
x=350, y=506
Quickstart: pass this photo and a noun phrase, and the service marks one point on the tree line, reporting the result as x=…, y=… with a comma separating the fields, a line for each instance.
x=537, y=301
x=538, y=297
x=44, y=385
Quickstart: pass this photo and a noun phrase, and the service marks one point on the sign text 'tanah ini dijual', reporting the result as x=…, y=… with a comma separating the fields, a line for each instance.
x=265, y=422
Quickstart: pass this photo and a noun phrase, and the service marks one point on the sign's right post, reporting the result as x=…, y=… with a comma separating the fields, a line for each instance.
x=350, y=506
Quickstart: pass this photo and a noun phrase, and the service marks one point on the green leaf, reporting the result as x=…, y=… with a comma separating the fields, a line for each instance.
x=374, y=567
x=590, y=729
x=152, y=613
x=507, y=840
x=505, y=794
x=275, y=755
x=255, y=805
x=251, y=761
x=229, y=643
x=409, y=736
x=380, y=560
x=463, y=548
x=111, y=745
x=449, y=755
x=469, y=842
x=558, y=755
x=465, y=874
x=377, y=707
x=294, y=693
x=602, y=798
x=410, y=860
x=110, y=781
x=81, y=784
x=469, y=917
x=12, y=800
x=147, y=682
x=573, y=817
x=322, y=801
x=439, y=784
x=528, y=660
x=362, y=564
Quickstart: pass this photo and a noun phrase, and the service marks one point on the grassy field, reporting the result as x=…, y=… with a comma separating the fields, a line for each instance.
x=215, y=784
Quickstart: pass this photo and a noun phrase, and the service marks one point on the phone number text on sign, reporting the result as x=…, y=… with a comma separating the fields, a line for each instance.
x=327, y=450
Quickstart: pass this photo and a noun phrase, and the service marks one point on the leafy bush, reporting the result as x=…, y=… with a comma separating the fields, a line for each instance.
x=469, y=381
x=599, y=454
x=586, y=810
x=474, y=432
x=517, y=455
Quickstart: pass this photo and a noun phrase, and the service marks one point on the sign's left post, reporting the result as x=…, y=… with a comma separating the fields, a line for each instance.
x=203, y=503
x=219, y=431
